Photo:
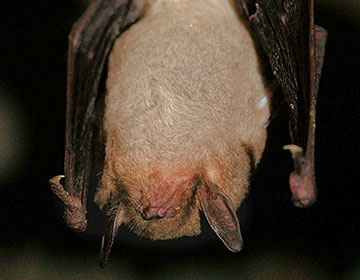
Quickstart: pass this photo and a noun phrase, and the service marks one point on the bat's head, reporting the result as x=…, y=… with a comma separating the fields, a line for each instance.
x=161, y=205
x=165, y=198
x=164, y=205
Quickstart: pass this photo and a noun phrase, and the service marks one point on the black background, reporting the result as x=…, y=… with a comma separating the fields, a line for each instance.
x=281, y=241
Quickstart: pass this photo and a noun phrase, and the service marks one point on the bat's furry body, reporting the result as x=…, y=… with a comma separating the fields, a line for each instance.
x=186, y=110
x=185, y=103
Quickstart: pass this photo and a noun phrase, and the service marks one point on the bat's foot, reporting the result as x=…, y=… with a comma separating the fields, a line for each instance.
x=75, y=212
x=302, y=179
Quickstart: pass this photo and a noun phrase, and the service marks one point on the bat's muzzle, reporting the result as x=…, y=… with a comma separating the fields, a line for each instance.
x=150, y=213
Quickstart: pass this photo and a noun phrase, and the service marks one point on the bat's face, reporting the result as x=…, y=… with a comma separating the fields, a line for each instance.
x=165, y=199
x=163, y=202
x=160, y=206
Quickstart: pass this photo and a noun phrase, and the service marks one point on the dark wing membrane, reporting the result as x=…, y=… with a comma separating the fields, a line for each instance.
x=295, y=49
x=90, y=42
x=282, y=27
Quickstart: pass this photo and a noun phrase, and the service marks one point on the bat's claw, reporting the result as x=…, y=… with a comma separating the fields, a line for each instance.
x=294, y=149
x=75, y=212
x=56, y=186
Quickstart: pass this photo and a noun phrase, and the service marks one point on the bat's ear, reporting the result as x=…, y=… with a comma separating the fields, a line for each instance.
x=221, y=215
x=113, y=223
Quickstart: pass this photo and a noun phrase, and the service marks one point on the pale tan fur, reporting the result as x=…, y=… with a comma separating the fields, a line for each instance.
x=184, y=94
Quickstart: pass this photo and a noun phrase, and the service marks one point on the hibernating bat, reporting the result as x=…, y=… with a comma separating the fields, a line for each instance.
x=185, y=111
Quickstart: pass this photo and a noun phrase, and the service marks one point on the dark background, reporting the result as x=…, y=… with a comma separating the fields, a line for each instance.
x=281, y=241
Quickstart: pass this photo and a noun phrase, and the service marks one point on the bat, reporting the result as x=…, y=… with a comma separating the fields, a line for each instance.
x=182, y=123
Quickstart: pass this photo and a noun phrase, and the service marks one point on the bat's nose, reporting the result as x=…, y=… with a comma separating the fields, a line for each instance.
x=152, y=212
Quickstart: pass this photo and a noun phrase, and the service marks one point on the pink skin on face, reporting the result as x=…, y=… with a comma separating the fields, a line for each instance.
x=167, y=198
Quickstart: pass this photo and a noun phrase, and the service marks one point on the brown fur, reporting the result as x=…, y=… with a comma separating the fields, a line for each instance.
x=184, y=96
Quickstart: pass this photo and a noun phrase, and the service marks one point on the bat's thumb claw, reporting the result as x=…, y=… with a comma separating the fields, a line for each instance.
x=56, y=186
x=75, y=212
x=295, y=150
x=56, y=179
